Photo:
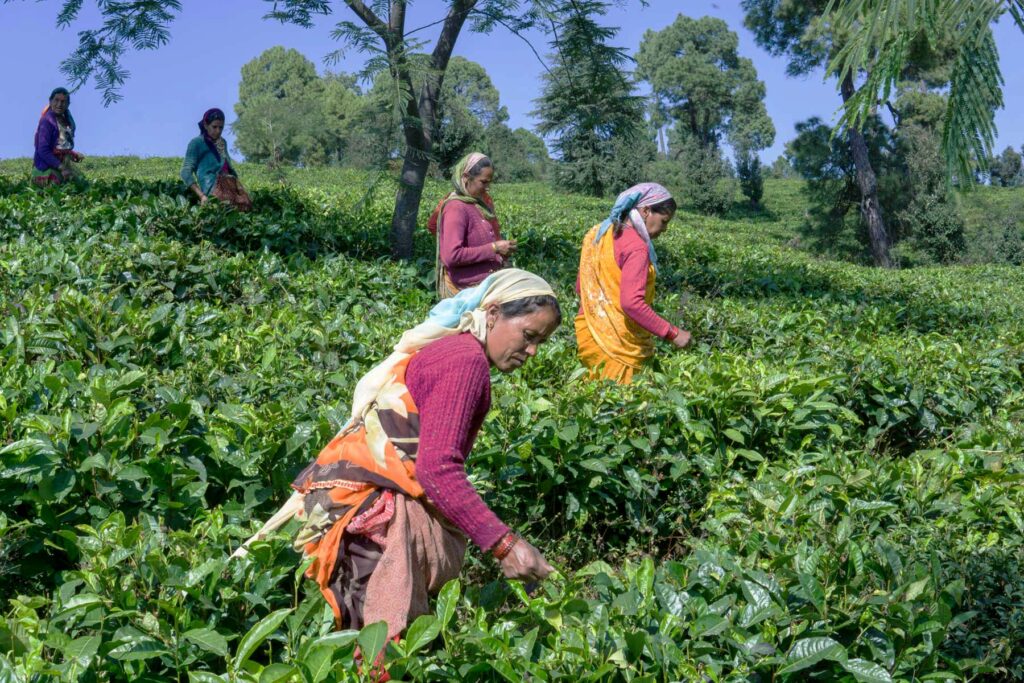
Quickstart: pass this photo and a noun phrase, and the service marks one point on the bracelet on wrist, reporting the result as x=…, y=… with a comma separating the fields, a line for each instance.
x=504, y=546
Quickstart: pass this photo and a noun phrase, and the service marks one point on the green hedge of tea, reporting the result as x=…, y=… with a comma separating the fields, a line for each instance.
x=827, y=486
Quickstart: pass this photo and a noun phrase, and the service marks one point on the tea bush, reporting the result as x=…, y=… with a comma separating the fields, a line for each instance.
x=827, y=486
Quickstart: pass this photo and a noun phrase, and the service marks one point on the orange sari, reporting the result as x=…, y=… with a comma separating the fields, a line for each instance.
x=610, y=343
x=378, y=546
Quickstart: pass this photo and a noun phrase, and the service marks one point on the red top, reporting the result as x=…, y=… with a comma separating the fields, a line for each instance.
x=634, y=261
x=466, y=239
x=450, y=382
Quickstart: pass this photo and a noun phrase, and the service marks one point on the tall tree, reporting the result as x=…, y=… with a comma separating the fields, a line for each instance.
x=518, y=155
x=588, y=108
x=1005, y=169
x=700, y=82
x=279, y=107
x=384, y=32
x=880, y=35
x=340, y=104
x=799, y=30
x=468, y=106
x=828, y=166
x=381, y=29
x=782, y=168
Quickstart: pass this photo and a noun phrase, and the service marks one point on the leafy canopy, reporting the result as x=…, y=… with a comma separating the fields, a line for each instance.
x=588, y=108
x=700, y=82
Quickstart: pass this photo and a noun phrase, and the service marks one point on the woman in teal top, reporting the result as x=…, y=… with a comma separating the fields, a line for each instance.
x=207, y=170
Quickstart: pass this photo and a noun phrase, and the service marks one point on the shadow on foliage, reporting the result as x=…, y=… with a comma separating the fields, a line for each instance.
x=995, y=591
x=282, y=220
x=703, y=270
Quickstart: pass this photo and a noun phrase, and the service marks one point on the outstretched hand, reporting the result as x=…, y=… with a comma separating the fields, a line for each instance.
x=682, y=339
x=525, y=562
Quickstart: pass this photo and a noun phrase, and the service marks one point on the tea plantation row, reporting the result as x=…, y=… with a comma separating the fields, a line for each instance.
x=827, y=486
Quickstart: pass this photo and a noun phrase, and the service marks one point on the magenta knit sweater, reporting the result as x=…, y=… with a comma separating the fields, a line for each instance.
x=466, y=238
x=450, y=382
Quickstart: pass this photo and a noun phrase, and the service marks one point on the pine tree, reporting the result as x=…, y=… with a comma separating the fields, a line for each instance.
x=588, y=108
x=748, y=170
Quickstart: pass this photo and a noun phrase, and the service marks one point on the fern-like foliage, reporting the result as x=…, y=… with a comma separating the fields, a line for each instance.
x=139, y=24
x=878, y=35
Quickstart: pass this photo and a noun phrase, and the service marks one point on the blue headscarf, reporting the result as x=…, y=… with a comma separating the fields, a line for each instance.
x=448, y=312
x=636, y=197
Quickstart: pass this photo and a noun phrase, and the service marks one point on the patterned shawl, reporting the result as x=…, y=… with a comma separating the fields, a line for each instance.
x=636, y=197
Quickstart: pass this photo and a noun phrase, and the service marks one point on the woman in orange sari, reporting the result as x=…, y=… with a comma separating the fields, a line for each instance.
x=616, y=326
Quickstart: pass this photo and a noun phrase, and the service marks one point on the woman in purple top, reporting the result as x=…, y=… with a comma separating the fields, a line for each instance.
x=469, y=242
x=55, y=142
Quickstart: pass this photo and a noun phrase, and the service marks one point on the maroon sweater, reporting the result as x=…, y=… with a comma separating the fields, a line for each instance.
x=466, y=239
x=450, y=382
x=633, y=259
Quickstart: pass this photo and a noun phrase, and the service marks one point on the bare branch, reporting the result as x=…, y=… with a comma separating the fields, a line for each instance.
x=426, y=26
x=896, y=117
x=513, y=31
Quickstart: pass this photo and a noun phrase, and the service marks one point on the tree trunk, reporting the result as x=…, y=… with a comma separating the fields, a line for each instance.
x=407, y=204
x=418, y=127
x=870, y=207
x=418, y=122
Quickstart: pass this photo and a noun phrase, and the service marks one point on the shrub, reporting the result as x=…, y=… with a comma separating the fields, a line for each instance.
x=748, y=171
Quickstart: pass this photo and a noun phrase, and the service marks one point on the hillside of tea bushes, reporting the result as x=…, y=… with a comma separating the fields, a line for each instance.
x=826, y=486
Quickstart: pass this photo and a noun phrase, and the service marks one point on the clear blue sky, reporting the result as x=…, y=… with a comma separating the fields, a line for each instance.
x=211, y=40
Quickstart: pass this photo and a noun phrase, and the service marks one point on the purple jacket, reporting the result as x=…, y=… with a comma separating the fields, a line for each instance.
x=47, y=137
x=466, y=238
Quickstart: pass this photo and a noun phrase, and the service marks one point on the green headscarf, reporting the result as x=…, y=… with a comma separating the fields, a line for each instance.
x=461, y=169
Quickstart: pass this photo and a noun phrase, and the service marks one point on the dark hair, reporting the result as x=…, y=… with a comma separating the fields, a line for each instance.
x=479, y=167
x=60, y=91
x=211, y=115
x=663, y=208
x=529, y=304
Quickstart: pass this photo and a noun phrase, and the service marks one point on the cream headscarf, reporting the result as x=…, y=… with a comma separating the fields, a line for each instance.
x=464, y=312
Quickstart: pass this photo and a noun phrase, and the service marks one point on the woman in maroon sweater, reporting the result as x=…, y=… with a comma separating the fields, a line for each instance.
x=387, y=506
x=469, y=242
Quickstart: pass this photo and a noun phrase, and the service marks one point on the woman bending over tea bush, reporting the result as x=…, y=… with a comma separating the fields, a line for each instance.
x=386, y=507
x=207, y=169
x=616, y=326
